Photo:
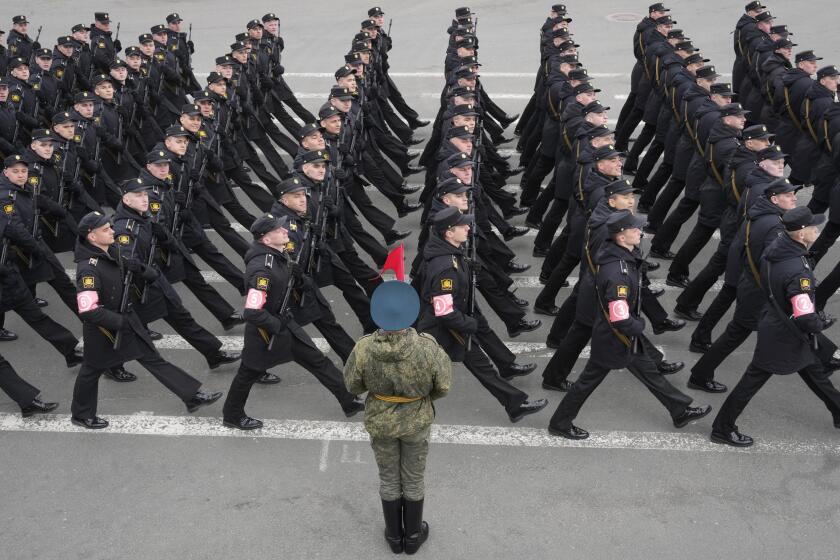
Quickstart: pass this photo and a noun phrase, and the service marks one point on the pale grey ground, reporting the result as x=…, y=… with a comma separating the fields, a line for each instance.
x=76, y=496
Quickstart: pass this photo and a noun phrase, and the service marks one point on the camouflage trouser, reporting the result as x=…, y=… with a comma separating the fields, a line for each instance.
x=402, y=463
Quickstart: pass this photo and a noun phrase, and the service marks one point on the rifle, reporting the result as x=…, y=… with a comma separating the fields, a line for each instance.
x=119, y=129
x=390, y=21
x=16, y=109
x=127, y=280
x=471, y=257
x=634, y=348
x=32, y=54
x=289, y=286
x=36, y=212
x=189, y=54
x=62, y=187
x=117, y=34
x=150, y=262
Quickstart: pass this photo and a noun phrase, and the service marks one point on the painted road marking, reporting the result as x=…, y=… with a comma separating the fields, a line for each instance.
x=326, y=431
x=234, y=343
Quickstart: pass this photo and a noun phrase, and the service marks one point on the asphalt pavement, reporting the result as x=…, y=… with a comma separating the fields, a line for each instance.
x=164, y=484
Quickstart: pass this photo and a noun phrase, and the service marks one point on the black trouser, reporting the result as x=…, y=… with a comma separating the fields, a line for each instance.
x=270, y=154
x=86, y=390
x=652, y=188
x=694, y=243
x=498, y=298
x=210, y=254
x=540, y=168
x=827, y=287
x=371, y=212
x=714, y=313
x=239, y=213
x=220, y=224
x=560, y=365
x=253, y=160
x=562, y=323
x=394, y=122
x=206, y=294
x=61, y=283
x=663, y=203
x=737, y=331
x=561, y=272
x=292, y=102
x=648, y=162
x=61, y=339
x=397, y=100
x=622, y=136
x=527, y=113
x=262, y=198
x=358, y=300
x=692, y=296
x=366, y=241
x=374, y=172
x=754, y=379
x=541, y=203
x=557, y=250
x=286, y=144
x=648, y=133
x=335, y=335
x=827, y=237
x=642, y=367
x=551, y=222
x=185, y=325
x=288, y=121
x=13, y=385
x=625, y=112
x=310, y=358
x=670, y=228
x=477, y=362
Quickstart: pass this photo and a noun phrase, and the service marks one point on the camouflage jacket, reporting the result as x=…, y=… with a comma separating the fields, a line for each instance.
x=402, y=364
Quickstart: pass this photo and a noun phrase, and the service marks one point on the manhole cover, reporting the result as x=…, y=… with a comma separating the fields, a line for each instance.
x=625, y=17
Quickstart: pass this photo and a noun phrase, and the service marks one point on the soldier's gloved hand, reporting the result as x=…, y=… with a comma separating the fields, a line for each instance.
x=191, y=46
x=117, y=46
x=296, y=270
x=159, y=231
x=476, y=265
x=180, y=197
x=333, y=211
x=73, y=188
x=36, y=46
x=150, y=273
x=285, y=318
x=316, y=229
x=349, y=161
x=827, y=319
x=195, y=175
x=133, y=265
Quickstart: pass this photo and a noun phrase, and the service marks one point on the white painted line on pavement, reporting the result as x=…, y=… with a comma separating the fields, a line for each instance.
x=326, y=431
x=439, y=74
x=234, y=343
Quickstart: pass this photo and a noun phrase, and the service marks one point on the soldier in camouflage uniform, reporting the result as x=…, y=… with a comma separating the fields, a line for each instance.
x=403, y=372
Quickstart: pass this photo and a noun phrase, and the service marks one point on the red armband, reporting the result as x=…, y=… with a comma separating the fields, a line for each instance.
x=443, y=305
x=255, y=299
x=87, y=300
x=619, y=310
x=802, y=305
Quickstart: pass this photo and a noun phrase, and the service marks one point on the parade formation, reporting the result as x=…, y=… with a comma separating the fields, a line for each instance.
x=124, y=158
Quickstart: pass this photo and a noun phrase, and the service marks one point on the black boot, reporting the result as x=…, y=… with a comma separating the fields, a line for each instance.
x=393, y=524
x=416, y=530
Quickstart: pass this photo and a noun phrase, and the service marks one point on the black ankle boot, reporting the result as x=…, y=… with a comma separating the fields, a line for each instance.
x=393, y=525
x=416, y=530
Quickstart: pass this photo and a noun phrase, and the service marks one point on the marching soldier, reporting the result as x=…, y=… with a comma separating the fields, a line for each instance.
x=103, y=47
x=787, y=330
x=617, y=330
x=113, y=332
x=448, y=312
x=272, y=336
x=135, y=226
x=402, y=372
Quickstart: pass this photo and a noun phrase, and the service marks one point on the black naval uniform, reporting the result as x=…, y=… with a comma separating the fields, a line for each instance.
x=99, y=285
x=447, y=273
x=156, y=298
x=266, y=276
x=785, y=337
x=617, y=323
